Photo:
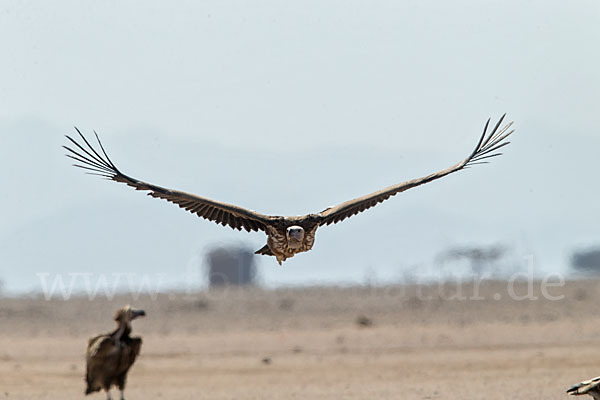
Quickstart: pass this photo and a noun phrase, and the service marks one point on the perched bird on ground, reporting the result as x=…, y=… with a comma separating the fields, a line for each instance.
x=286, y=236
x=110, y=356
x=587, y=387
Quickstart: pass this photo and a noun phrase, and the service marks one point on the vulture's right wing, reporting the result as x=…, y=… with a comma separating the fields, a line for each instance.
x=221, y=213
x=486, y=148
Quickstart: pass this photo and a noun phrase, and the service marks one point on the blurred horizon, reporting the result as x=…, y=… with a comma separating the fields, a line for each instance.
x=288, y=109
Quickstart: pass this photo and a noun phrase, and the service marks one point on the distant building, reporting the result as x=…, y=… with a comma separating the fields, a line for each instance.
x=231, y=266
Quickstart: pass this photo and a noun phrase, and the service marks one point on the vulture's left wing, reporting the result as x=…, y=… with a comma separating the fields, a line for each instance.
x=486, y=148
x=222, y=213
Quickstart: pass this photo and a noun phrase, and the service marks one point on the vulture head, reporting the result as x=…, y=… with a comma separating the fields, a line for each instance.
x=295, y=236
x=127, y=314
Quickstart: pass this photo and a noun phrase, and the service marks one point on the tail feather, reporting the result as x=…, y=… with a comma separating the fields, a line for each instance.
x=90, y=387
x=265, y=251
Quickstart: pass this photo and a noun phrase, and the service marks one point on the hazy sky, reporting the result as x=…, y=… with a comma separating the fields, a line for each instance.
x=287, y=108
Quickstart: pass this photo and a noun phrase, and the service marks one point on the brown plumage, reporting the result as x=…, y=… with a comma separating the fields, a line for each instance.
x=590, y=387
x=286, y=235
x=110, y=356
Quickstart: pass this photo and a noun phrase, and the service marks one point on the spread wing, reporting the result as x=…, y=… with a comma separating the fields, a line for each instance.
x=487, y=147
x=98, y=163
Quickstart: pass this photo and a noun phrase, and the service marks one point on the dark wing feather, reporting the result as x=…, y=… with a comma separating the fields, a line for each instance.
x=130, y=350
x=486, y=148
x=98, y=163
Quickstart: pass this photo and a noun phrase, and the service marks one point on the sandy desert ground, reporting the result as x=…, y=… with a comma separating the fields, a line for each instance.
x=308, y=343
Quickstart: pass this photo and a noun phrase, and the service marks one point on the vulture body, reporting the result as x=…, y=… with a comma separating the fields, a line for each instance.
x=110, y=356
x=590, y=387
x=286, y=236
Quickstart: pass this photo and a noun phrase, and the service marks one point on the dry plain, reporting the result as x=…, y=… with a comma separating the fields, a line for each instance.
x=423, y=342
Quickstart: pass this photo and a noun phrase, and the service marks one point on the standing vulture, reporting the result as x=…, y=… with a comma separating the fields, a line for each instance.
x=286, y=236
x=587, y=387
x=110, y=356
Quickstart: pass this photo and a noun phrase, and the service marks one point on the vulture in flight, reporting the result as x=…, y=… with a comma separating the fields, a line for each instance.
x=587, y=387
x=110, y=356
x=286, y=236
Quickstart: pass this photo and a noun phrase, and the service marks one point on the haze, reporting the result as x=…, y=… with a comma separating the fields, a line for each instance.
x=287, y=108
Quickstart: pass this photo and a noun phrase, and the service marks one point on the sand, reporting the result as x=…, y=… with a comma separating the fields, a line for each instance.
x=408, y=342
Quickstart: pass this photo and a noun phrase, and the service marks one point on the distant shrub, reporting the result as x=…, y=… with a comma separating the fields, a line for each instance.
x=481, y=259
x=586, y=260
x=363, y=320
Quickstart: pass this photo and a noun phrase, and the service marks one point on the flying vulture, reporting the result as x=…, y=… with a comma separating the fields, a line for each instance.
x=110, y=356
x=286, y=236
x=587, y=387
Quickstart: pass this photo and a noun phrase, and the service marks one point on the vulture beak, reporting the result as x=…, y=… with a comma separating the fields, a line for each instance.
x=139, y=313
